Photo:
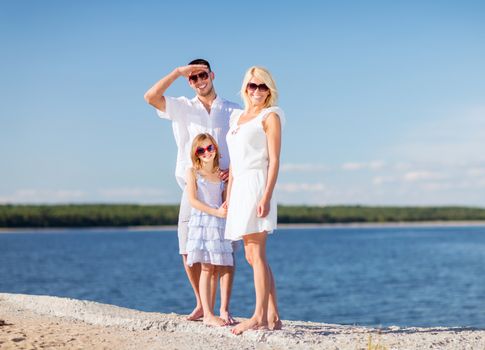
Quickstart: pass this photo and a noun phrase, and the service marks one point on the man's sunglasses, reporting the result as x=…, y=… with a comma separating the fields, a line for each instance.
x=201, y=150
x=254, y=87
x=201, y=75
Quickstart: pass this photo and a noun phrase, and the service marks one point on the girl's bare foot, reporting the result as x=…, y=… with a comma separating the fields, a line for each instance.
x=275, y=325
x=212, y=320
x=227, y=317
x=251, y=323
x=196, y=314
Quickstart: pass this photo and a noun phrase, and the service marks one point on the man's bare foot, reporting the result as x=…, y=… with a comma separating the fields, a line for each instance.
x=196, y=314
x=251, y=323
x=227, y=317
x=275, y=325
x=212, y=320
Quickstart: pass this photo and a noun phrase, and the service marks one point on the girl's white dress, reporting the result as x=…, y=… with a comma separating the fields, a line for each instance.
x=206, y=243
x=248, y=151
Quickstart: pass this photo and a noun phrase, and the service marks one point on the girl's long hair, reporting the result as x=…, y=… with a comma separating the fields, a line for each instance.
x=196, y=143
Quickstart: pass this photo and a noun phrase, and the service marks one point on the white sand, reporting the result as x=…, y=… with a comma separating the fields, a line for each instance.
x=43, y=322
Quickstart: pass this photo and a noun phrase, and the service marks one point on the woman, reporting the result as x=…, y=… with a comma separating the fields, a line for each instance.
x=254, y=142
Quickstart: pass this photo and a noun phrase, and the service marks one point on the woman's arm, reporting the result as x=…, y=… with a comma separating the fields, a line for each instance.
x=272, y=128
x=195, y=202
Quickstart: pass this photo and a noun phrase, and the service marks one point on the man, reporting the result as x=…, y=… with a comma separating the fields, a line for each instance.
x=205, y=113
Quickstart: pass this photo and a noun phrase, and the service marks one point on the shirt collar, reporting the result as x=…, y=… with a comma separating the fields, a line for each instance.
x=218, y=100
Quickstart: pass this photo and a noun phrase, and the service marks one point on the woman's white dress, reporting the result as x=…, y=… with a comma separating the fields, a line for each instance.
x=248, y=151
x=206, y=243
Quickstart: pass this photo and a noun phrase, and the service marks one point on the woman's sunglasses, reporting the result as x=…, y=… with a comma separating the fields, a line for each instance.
x=201, y=150
x=254, y=87
x=195, y=77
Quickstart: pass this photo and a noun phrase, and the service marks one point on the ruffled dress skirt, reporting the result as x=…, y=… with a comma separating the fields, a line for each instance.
x=206, y=243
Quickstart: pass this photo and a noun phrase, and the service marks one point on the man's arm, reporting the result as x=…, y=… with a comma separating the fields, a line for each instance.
x=155, y=95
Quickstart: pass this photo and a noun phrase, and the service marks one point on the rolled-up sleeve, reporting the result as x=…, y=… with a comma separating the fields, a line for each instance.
x=175, y=108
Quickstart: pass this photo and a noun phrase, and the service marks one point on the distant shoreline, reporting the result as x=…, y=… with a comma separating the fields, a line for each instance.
x=108, y=229
x=158, y=217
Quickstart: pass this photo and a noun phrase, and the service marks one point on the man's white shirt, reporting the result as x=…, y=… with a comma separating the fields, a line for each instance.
x=190, y=118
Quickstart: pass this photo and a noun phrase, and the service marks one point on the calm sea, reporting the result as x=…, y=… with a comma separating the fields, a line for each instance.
x=405, y=276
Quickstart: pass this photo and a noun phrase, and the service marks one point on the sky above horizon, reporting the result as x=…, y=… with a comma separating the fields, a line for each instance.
x=385, y=101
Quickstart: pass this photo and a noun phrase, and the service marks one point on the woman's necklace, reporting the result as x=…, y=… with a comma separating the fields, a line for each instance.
x=255, y=113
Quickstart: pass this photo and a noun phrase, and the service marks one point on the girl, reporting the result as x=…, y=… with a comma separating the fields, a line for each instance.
x=206, y=244
x=254, y=141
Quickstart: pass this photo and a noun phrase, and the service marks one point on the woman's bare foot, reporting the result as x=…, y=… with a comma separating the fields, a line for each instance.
x=251, y=323
x=275, y=324
x=196, y=314
x=227, y=317
x=212, y=320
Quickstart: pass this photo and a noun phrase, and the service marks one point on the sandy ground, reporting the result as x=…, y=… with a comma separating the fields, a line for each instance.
x=43, y=322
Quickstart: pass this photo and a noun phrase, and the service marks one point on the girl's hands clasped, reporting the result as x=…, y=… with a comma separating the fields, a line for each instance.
x=221, y=212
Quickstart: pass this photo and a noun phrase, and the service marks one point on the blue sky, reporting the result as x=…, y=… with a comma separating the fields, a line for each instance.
x=385, y=101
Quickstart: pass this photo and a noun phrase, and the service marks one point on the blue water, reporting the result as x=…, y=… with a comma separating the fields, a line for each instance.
x=405, y=276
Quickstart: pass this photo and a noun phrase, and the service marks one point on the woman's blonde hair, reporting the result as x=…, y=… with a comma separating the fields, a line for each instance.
x=264, y=75
x=196, y=143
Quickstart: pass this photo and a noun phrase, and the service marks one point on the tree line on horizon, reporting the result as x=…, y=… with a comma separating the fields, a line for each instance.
x=122, y=215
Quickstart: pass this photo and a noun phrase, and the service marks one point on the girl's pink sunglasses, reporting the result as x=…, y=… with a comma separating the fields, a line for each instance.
x=201, y=150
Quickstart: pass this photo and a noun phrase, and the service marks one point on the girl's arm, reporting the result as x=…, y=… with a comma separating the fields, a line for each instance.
x=272, y=128
x=195, y=202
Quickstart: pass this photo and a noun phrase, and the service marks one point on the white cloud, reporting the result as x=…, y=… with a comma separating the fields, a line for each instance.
x=380, y=180
x=43, y=196
x=437, y=186
x=402, y=166
x=476, y=172
x=423, y=175
x=441, y=161
x=132, y=194
x=376, y=165
x=454, y=138
x=112, y=195
x=372, y=165
x=352, y=166
x=303, y=167
x=300, y=187
x=316, y=167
